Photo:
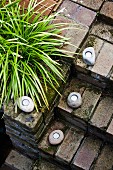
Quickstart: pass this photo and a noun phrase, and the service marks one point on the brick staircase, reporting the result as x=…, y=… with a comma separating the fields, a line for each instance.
x=88, y=130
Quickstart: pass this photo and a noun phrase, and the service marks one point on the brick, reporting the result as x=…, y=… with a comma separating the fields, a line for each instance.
x=103, y=113
x=44, y=144
x=29, y=121
x=20, y=136
x=105, y=160
x=73, y=120
x=104, y=61
x=18, y=161
x=86, y=154
x=78, y=13
x=94, y=42
x=89, y=101
x=85, y=16
x=98, y=132
x=44, y=165
x=107, y=10
x=103, y=31
x=70, y=145
x=45, y=7
x=47, y=3
x=24, y=148
x=93, y=4
x=5, y=167
x=73, y=85
x=76, y=36
x=64, y=20
x=24, y=3
x=91, y=80
x=110, y=127
x=58, y=4
x=43, y=10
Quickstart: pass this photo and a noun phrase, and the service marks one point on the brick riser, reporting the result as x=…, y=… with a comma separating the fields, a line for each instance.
x=87, y=127
x=93, y=78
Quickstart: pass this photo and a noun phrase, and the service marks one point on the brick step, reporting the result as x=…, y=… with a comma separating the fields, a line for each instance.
x=102, y=72
x=96, y=112
x=77, y=151
x=17, y=161
x=93, y=5
x=106, y=12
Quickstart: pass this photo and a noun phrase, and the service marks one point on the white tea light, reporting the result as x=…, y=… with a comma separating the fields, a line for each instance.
x=25, y=104
x=56, y=137
x=89, y=56
x=74, y=100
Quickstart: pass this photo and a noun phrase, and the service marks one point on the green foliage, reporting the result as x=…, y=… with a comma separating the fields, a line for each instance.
x=28, y=53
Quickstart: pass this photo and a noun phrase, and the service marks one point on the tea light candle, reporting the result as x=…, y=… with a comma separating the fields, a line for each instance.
x=88, y=54
x=25, y=104
x=56, y=137
x=74, y=100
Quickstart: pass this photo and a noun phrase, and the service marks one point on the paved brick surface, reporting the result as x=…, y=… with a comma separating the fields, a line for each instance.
x=73, y=85
x=89, y=100
x=107, y=10
x=78, y=13
x=44, y=144
x=105, y=160
x=44, y=165
x=76, y=36
x=103, y=31
x=94, y=42
x=93, y=4
x=70, y=145
x=103, y=113
x=104, y=61
x=18, y=161
x=63, y=20
x=86, y=153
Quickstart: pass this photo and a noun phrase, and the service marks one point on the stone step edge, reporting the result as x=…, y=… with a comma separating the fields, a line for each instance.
x=85, y=126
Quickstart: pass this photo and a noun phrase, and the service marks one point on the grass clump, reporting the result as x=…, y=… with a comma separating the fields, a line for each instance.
x=29, y=49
